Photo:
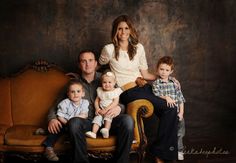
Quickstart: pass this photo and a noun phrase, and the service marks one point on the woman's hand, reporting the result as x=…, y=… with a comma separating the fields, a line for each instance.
x=176, y=82
x=140, y=81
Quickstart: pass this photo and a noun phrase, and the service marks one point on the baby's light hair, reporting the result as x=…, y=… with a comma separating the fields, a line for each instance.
x=109, y=74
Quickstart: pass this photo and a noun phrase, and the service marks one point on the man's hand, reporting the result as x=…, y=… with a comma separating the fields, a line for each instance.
x=113, y=112
x=98, y=111
x=102, y=112
x=54, y=126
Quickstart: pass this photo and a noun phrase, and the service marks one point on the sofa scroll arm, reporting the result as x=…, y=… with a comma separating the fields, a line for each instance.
x=138, y=110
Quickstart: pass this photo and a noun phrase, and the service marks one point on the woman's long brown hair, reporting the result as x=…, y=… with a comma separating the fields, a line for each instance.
x=133, y=39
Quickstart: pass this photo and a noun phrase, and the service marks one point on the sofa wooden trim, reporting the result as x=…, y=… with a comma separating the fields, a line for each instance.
x=12, y=122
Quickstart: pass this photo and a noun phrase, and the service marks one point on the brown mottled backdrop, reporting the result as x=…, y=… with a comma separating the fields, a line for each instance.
x=199, y=34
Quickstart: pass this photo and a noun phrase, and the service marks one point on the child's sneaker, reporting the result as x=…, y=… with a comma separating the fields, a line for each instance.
x=50, y=154
x=91, y=134
x=134, y=141
x=40, y=131
x=105, y=132
x=180, y=156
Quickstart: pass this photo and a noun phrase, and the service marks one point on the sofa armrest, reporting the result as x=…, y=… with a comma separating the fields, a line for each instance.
x=138, y=110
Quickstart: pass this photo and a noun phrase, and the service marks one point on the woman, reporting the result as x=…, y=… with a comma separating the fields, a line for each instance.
x=126, y=58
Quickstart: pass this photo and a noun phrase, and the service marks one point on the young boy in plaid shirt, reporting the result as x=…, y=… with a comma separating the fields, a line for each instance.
x=168, y=88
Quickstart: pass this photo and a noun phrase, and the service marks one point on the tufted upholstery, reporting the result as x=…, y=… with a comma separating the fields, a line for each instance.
x=25, y=99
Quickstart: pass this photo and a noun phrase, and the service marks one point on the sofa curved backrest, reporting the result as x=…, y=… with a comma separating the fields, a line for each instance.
x=32, y=108
x=5, y=103
x=20, y=105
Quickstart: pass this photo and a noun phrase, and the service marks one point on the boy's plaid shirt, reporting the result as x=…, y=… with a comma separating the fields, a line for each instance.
x=170, y=88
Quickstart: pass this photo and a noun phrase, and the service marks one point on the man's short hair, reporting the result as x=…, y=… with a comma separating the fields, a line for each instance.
x=85, y=51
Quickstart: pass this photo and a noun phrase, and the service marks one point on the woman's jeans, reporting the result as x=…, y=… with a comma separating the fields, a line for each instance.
x=165, y=145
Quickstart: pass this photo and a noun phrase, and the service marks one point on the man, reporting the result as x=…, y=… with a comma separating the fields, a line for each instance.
x=122, y=125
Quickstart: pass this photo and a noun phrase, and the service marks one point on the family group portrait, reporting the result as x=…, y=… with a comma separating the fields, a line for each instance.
x=117, y=81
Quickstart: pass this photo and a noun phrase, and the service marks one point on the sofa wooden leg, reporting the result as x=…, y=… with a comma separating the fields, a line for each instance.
x=141, y=156
x=1, y=157
x=140, y=159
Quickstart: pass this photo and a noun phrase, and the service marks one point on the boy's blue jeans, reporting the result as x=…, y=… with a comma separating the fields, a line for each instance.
x=52, y=138
x=181, y=133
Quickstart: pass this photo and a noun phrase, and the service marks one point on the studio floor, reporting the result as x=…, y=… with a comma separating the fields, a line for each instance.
x=196, y=151
x=189, y=158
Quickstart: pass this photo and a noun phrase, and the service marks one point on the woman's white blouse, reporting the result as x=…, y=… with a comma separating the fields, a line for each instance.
x=126, y=70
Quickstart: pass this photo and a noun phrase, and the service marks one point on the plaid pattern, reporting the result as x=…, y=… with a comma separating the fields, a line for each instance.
x=170, y=88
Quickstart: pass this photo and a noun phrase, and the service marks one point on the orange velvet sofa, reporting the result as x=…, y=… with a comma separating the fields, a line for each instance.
x=25, y=99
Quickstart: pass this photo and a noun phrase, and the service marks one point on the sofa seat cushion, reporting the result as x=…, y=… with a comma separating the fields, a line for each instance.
x=3, y=129
x=23, y=135
x=105, y=144
x=101, y=143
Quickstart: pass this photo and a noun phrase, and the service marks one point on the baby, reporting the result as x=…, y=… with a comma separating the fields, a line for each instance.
x=107, y=98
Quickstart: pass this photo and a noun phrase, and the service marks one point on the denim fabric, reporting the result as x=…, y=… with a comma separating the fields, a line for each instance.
x=122, y=126
x=181, y=134
x=77, y=127
x=52, y=138
x=165, y=146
